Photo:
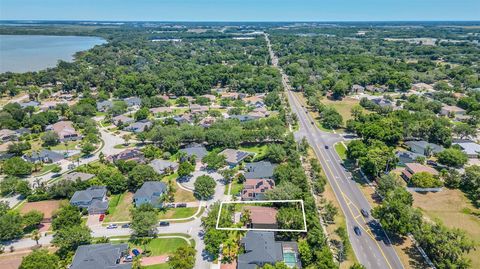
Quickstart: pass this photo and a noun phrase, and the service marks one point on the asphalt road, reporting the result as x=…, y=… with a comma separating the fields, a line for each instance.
x=372, y=247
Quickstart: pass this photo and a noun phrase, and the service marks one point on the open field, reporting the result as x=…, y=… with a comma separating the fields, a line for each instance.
x=453, y=209
x=342, y=106
x=182, y=195
x=161, y=246
x=46, y=207
x=119, y=207
x=158, y=266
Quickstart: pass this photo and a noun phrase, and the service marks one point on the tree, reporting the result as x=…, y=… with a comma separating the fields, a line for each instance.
x=471, y=183
x=36, y=235
x=23, y=188
x=18, y=148
x=290, y=218
x=68, y=239
x=284, y=191
x=204, y=187
x=16, y=166
x=32, y=219
x=357, y=266
x=340, y=89
x=142, y=114
x=50, y=139
x=306, y=253
x=40, y=259
x=386, y=183
x=10, y=226
x=464, y=130
x=329, y=211
x=87, y=148
x=276, y=153
x=139, y=175
x=452, y=157
x=66, y=216
x=185, y=169
x=183, y=258
x=425, y=180
x=331, y=119
x=144, y=220
x=214, y=160
x=228, y=174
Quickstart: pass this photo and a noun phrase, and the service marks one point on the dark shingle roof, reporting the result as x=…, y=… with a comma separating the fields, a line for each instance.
x=259, y=170
x=100, y=256
x=89, y=194
x=260, y=248
x=151, y=188
x=197, y=150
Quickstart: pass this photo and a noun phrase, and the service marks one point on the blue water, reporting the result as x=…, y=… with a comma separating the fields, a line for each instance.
x=22, y=53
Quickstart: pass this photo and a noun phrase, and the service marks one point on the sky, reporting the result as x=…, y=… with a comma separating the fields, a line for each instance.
x=241, y=10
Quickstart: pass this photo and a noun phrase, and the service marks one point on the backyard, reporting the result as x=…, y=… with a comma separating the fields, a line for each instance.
x=119, y=207
x=177, y=213
x=259, y=150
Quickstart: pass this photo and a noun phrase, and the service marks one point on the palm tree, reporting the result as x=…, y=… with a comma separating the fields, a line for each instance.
x=36, y=236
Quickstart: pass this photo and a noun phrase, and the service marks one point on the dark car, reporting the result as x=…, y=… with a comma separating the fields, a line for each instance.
x=364, y=212
x=164, y=223
x=312, y=123
x=182, y=205
x=357, y=230
x=135, y=252
x=432, y=163
x=170, y=205
x=126, y=225
x=326, y=147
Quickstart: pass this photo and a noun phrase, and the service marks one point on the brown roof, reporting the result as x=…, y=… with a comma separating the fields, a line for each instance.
x=64, y=128
x=262, y=214
x=417, y=168
x=257, y=186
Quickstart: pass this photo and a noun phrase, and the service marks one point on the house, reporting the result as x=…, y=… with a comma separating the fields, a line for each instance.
x=133, y=101
x=22, y=131
x=196, y=150
x=158, y=110
x=139, y=126
x=258, y=170
x=374, y=88
x=74, y=176
x=101, y=256
x=407, y=157
x=262, y=217
x=234, y=157
x=419, y=87
x=121, y=120
x=163, y=166
x=383, y=102
x=423, y=147
x=471, y=148
x=261, y=248
x=50, y=105
x=150, y=193
x=44, y=156
x=94, y=199
x=29, y=104
x=229, y=95
x=357, y=88
x=207, y=121
x=413, y=168
x=196, y=109
x=8, y=135
x=243, y=118
x=210, y=97
x=452, y=110
x=64, y=130
x=254, y=99
x=104, y=105
x=127, y=155
x=255, y=189
x=180, y=119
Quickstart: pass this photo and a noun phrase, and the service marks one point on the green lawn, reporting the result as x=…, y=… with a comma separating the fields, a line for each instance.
x=178, y=213
x=259, y=150
x=71, y=145
x=119, y=207
x=341, y=150
x=236, y=188
x=160, y=246
x=47, y=168
x=157, y=266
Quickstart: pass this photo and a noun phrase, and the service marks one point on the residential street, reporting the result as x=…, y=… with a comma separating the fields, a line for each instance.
x=372, y=247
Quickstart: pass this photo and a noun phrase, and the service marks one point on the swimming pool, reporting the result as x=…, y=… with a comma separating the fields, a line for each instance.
x=289, y=258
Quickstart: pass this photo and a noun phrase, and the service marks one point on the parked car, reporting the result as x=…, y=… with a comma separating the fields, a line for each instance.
x=71, y=166
x=357, y=230
x=364, y=212
x=129, y=258
x=326, y=147
x=182, y=205
x=135, y=252
x=112, y=226
x=170, y=205
x=312, y=123
x=102, y=216
x=126, y=225
x=432, y=163
x=164, y=223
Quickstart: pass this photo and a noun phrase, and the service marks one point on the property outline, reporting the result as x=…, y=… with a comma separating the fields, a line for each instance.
x=259, y=229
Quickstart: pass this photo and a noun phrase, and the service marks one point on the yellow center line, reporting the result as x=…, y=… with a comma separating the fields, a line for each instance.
x=348, y=202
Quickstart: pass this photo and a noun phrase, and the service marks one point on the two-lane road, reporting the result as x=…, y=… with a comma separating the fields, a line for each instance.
x=371, y=247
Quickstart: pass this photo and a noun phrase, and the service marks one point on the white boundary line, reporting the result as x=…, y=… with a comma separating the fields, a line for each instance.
x=258, y=229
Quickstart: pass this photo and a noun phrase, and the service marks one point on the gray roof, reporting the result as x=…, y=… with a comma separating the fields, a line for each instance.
x=104, y=104
x=260, y=248
x=243, y=118
x=160, y=165
x=44, y=155
x=469, y=147
x=259, y=170
x=133, y=101
x=100, y=256
x=78, y=175
x=30, y=103
x=139, y=126
x=89, y=194
x=151, y=189
x=197, y=150
x=420, y=146
x=234, y=156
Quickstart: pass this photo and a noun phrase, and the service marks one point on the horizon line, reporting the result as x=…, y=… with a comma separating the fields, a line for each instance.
x=235, y=21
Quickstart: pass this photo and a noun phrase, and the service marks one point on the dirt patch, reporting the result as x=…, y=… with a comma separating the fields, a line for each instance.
x=11, y=262
x=46, y=207
x=154, y=260
x=232, y=265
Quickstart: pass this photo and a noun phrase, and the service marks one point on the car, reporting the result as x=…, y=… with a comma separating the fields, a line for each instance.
x=326, y=147
x=432, y=163
x=364, y=212
x=135, y=252
x=71, y=166
x=357, y=230
x=312, y=123
x=126, y=225
x=128, y=258
x=102, y=216
x=56, y=175
x=170, y=205
x=182, y=205
x=164, y=223
x=112, y=226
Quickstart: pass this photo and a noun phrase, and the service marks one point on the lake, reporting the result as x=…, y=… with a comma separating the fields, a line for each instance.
x=22, y=53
